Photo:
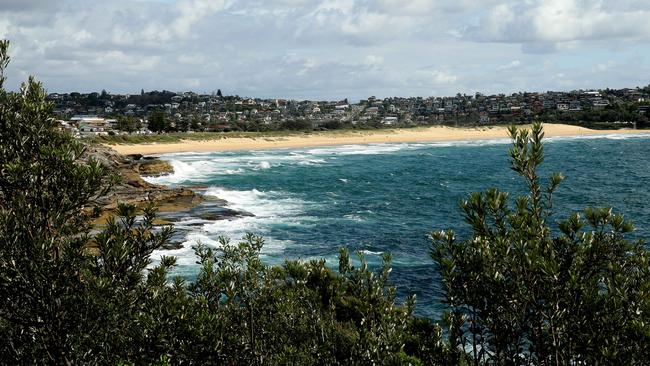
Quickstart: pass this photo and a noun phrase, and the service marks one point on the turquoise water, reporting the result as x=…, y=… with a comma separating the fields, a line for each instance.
x=388, y=197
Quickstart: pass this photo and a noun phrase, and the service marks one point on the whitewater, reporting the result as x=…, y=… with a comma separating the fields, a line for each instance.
x=387, y=198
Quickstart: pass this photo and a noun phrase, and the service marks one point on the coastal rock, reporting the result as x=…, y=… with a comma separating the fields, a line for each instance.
x=173, y=246
x=215, y=200
x=154, y=168
x=172, y=203
x=223, y=213
x=133, y=189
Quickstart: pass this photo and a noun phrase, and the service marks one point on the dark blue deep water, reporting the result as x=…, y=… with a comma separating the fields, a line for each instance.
x=387, y=198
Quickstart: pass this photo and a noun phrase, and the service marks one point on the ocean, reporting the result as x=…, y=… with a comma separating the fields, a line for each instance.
x=309, y=202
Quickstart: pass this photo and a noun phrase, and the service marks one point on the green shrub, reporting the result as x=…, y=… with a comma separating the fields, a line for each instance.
x=521, y=292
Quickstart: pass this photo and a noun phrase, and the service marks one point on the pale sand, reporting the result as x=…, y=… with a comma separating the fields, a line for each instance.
x=428, y=134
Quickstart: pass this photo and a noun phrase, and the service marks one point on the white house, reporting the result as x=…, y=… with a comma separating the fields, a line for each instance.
x=563, y=106
x=389, y=120
x=91, y=125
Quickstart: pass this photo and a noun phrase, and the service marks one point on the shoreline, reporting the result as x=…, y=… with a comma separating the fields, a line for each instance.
x=315, y=139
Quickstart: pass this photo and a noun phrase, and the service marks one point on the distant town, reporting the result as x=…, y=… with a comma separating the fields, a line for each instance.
x=102, y=113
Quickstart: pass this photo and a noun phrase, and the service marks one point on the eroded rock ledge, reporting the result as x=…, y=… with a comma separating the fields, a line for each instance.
x=133, y=189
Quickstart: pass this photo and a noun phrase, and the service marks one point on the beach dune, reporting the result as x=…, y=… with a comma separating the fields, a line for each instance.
x=420, y=134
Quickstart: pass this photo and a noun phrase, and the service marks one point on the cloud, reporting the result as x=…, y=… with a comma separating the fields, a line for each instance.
x=510, y=65
x=373, y=61
x=408, y=7
x=555, y=21
x=326, y=49
x=26, y=5
x=4, y=27
x=192, y=11
x=195, y=59
x=442, y=77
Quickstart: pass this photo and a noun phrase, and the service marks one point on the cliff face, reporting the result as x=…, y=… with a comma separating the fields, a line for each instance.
x=133, y=189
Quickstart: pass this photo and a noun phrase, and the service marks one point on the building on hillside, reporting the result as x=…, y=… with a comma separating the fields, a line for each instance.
x=90, y=125
x=372, y=111
x=575, y=106
x=389, y=120
x=66, y=126
x=600, y=103
x=562, y=106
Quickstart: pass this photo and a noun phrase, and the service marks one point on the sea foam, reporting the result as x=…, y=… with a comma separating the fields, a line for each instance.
x=270, y=209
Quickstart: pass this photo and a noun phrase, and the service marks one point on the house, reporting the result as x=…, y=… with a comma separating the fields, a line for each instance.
x=91, y=125
x=575, y=106
x=592, y=94
x=515, y=111
x=373, y=111
x=600, y=103
x=66, y=127
x=340, y=109
x=562, y=106
x=548, y=104
x=111, y=123
x=389, y=120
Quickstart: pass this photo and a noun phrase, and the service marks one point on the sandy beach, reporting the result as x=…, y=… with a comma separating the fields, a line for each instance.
x=424, y=134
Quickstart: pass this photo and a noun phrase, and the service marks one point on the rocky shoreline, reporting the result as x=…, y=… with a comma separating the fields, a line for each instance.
x=173, y=204
x=132, y=189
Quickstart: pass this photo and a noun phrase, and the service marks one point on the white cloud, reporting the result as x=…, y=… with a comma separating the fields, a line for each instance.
x=373, y=61
x=553, y=21
x=510, y=65
x=409, y=7
x=327, y=48
x=191, y=83
x=192, y=11
x=442, y=77
x=4, y=27
x=194, y=59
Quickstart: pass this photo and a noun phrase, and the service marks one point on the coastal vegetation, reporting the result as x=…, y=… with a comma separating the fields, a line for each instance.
x=172, y=137
x=519, y=291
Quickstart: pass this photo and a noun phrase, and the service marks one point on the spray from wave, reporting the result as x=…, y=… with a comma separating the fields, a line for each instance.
x=270, y=211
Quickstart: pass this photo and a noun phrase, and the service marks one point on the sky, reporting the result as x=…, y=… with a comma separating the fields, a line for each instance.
x=328, y=49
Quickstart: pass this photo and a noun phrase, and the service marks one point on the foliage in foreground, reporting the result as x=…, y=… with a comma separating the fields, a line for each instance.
x=521, y=294
x=517, y=294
